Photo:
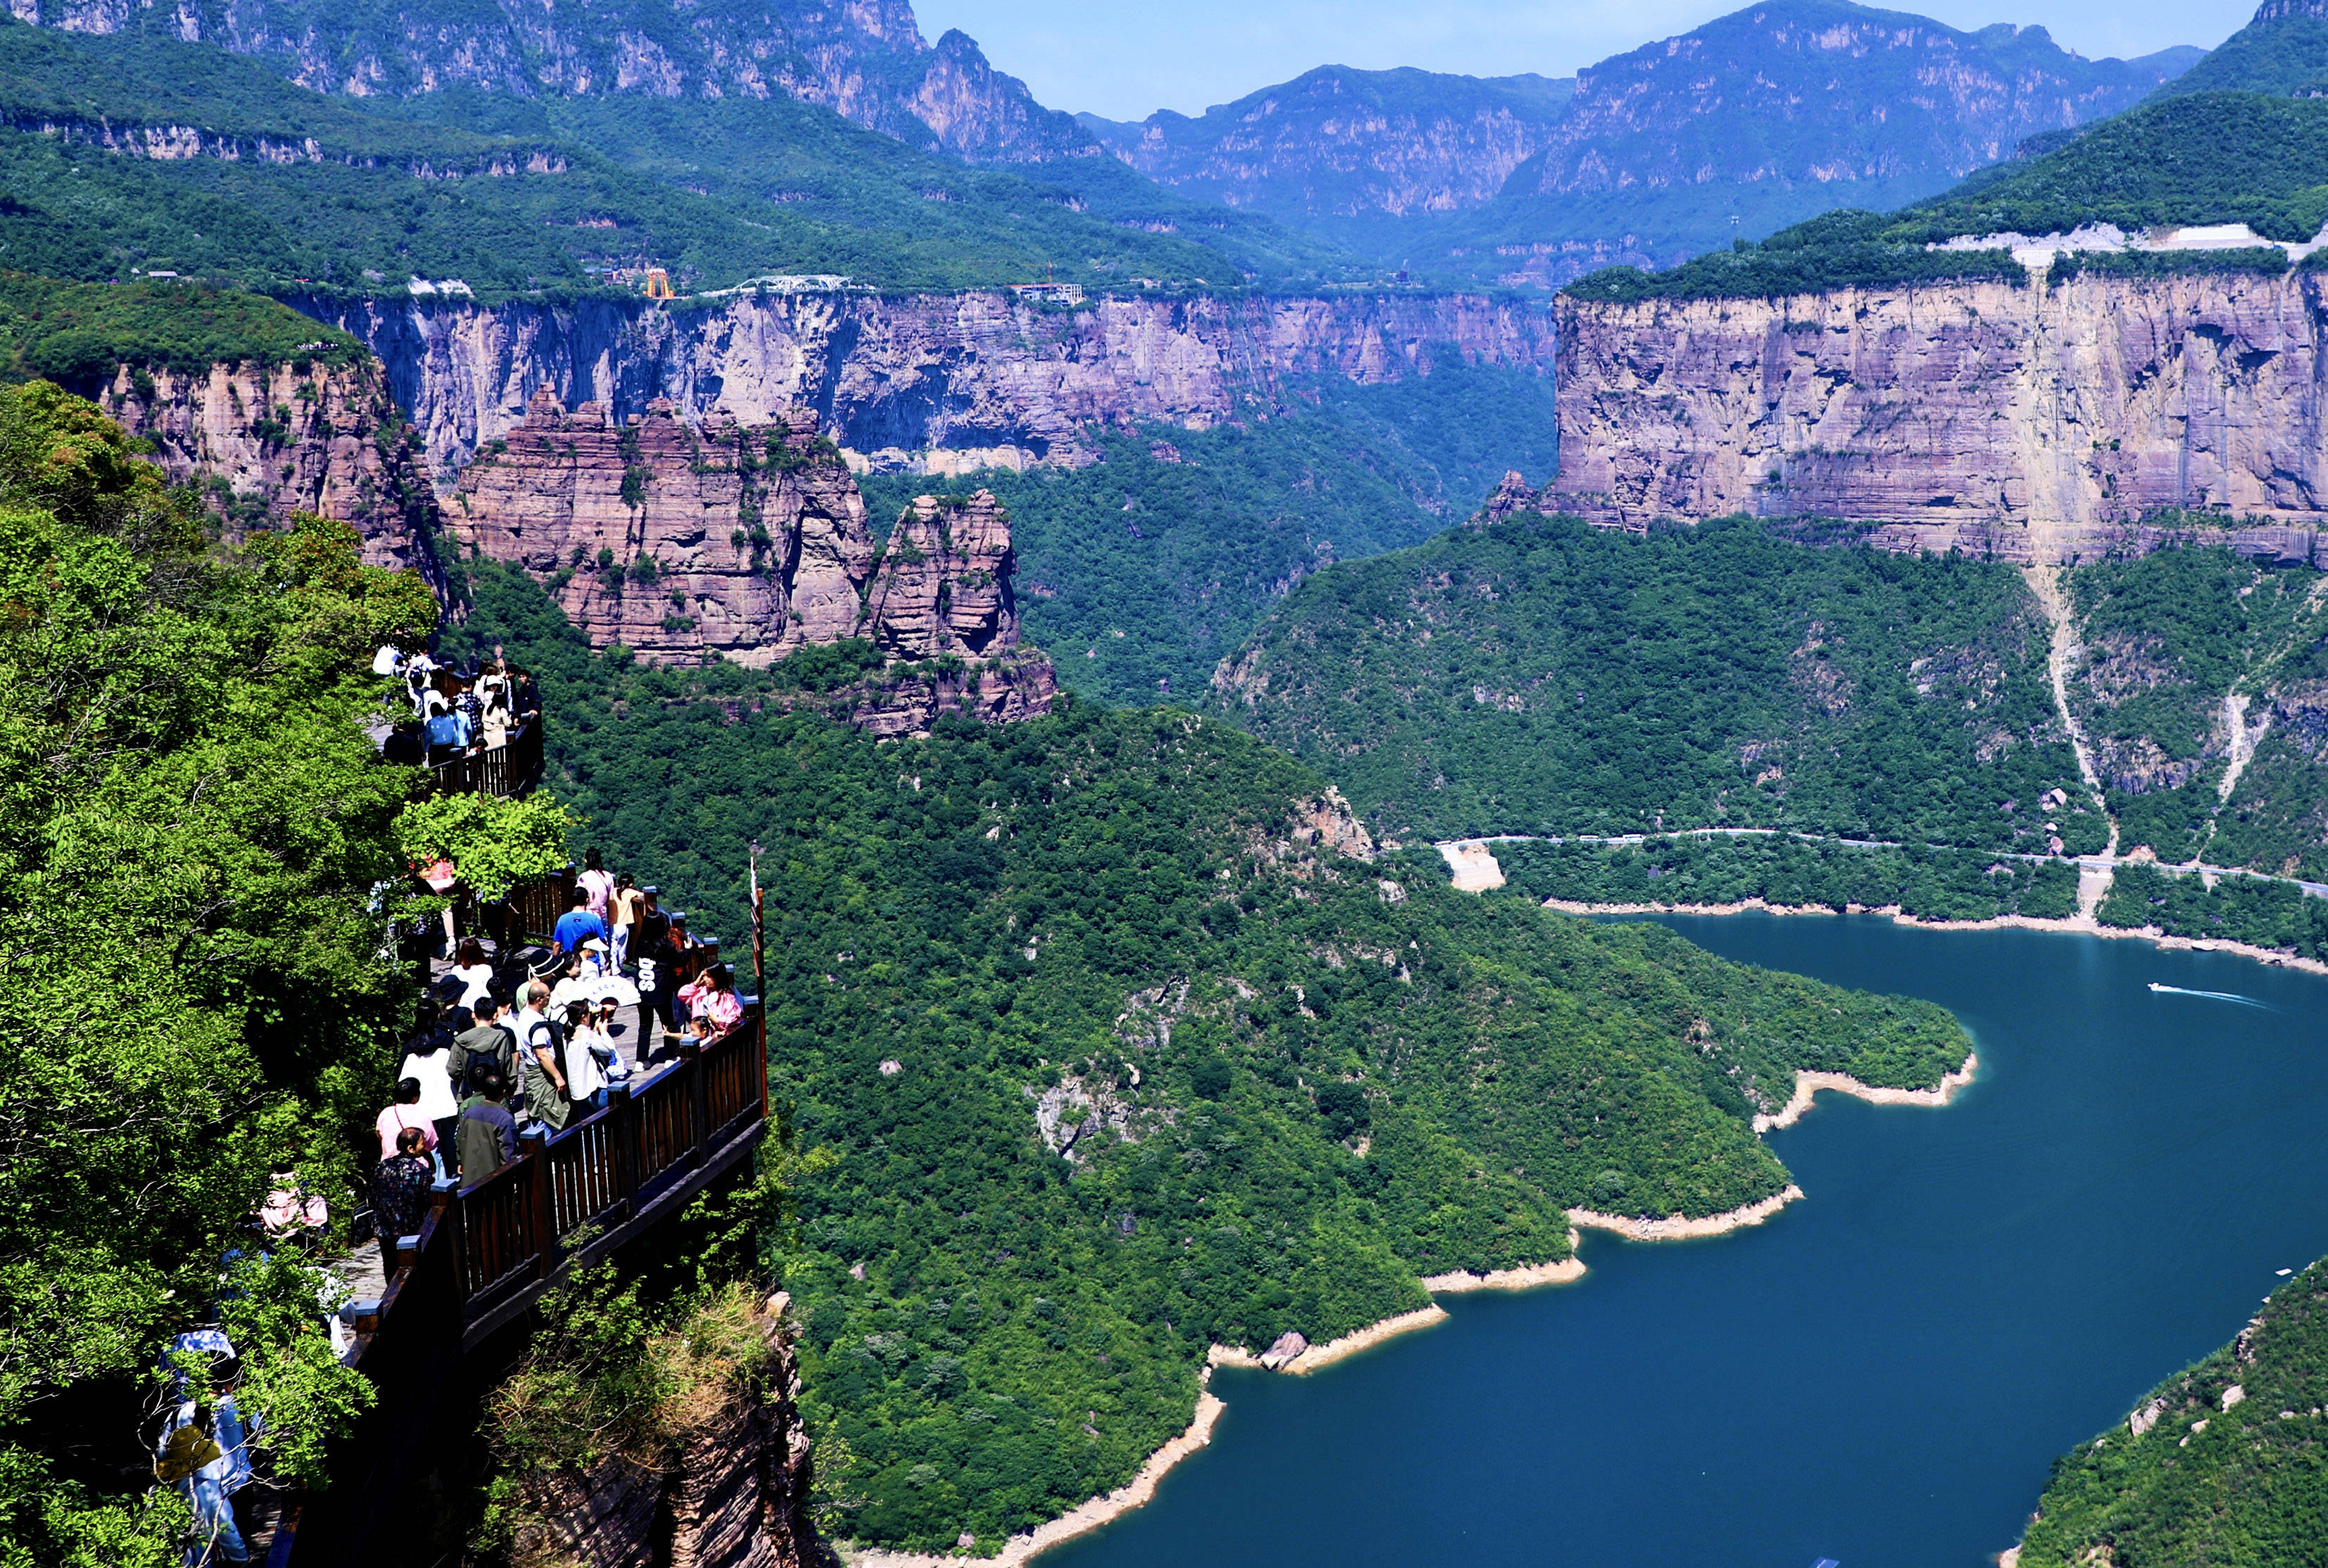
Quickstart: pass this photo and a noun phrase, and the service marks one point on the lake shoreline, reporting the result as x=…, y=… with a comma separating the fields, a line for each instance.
x=2073, y=925
x=1808, y=1083
x=1097, y=1512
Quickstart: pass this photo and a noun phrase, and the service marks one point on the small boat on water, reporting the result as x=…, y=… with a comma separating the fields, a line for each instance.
x=2155, y=986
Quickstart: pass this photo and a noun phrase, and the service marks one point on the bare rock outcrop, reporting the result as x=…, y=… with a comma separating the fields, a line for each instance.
x=675, y=541
x=932, y=382
x=749, y=542
x=2037, y=424
x=267, y=440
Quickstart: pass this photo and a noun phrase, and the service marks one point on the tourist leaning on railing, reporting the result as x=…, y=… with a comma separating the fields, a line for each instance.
x=713, y=995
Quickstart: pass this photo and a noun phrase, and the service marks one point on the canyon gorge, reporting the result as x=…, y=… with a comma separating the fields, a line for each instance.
x=943, y=382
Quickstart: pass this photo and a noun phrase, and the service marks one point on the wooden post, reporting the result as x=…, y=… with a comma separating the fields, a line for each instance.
x=445, y=1201
x=623, y=1134
x=760, y=983
x=541, y=1210
x=699, y=1100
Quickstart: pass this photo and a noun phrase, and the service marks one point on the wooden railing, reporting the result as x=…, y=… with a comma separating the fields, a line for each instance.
x=534, y=907
x=487, y=1252
x=510, y=769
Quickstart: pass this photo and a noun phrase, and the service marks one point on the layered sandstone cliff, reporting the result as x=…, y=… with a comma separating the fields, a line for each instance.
x=941, y=382
x=750, y=543
x=734, y=1493
x=2034, y=423
x=266, y=441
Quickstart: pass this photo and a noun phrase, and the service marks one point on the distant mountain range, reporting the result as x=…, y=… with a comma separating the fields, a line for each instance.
x=1758, y=119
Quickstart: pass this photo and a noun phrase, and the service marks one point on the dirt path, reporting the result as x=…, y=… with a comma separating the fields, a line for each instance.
x=2045, y=582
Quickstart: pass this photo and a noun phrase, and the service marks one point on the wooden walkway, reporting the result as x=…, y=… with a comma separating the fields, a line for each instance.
x=485, y=1255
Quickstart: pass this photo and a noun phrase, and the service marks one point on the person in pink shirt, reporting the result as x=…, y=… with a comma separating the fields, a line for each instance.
x=712, y=996
x=405, y=1112
x=596, y=883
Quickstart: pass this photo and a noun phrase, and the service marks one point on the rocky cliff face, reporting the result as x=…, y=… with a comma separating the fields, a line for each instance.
x=864, y=59
x=947, y=382
x=2036, y=423
x=749, y=542
x=734, y=1496
x=1338, y=143
x=267, y=441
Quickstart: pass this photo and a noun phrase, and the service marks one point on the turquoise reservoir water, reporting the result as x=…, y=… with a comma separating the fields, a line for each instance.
x=1882, y=1373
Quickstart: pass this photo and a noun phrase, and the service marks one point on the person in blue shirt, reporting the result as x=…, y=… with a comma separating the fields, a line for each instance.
x=578, y=925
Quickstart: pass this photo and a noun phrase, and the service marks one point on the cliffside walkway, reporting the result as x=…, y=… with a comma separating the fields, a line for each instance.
x=484, y=1256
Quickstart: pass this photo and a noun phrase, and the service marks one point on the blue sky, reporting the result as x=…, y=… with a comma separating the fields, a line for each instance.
x=1124, y=60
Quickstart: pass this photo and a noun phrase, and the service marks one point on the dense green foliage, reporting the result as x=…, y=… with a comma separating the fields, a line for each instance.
x=1286, y=1082
x=2261, y=912
x=2242, y=1486
x=1140, y=572
x=2258, y=260
x=192, y=825
x=2212, y=157
x=1542, y=676
x=81, y=331
x=2168, y=637
x=2284, y=55
x=1843, y=250
x=518, y=195
x=1930, y=884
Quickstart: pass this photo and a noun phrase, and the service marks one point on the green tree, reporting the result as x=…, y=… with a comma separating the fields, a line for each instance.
x=192, y=826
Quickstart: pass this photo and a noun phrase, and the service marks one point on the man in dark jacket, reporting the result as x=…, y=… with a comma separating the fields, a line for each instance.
x=489, y=1047
x=488, y=1132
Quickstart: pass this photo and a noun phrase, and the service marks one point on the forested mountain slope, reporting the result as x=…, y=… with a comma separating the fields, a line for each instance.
x=142, y=153
x=1754, y=121
x=2237, y=140
x=2226, y=1463
x=2203, y=685
x=1139, y=572
x=1535, y=675
x=1106, y=1041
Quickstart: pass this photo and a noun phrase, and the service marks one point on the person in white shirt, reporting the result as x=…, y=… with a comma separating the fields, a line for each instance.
x=475, y=975
x=586, y=1074
x=437, y=1103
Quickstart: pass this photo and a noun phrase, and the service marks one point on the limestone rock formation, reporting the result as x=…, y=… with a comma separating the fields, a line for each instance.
x=269, y=440
x=2036, y=424
x=749, y=543
x=944, y=586
x=932, y=382
x=743, y=542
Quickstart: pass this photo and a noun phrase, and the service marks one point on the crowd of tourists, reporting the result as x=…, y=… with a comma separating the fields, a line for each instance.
x=457, y=710
x=536, y=1038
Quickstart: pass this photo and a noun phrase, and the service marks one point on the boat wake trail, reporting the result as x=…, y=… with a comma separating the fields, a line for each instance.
x=2213, y=996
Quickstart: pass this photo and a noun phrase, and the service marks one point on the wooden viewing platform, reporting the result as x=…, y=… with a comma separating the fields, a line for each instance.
x=485, y=1255
x=510, y=770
